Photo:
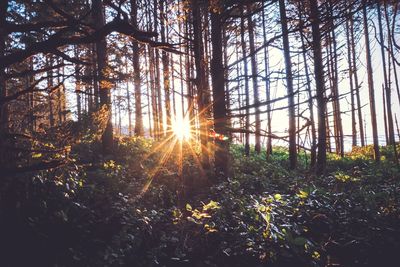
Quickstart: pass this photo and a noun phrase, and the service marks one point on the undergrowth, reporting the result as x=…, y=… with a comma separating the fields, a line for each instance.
x=130, y=210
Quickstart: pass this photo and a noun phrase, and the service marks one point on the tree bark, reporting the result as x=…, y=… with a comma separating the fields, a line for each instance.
x=371, y=86
x=202, y=94
x=166, y=70
x=104, y=85
x=320, y=86
x=289, y=85
x=136, y=75
x=246, y=88
x=254, y=72
x=218, y=88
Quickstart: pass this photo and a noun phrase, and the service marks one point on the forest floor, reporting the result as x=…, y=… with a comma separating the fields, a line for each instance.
x=130, y=209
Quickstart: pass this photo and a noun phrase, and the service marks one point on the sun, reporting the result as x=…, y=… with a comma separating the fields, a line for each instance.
x=181, y=128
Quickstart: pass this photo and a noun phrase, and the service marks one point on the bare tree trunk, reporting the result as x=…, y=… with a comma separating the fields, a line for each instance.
x=148, y=92
x=320, y=85
x=397, y=126
x=254, y=74
x=289, y=85
x=165, y=63
x=386, y=74
x=246, y=88
x=356, y=83
x=128, y=100
x=384, y=115
x=371, y=86
x=104, y=86
x=202, y=98
x=188, y=77
x=218, y=88
x=390, y=52
x=352, y=100
x=336, y=101
x=156, y=129
x=50, y=84
x=310, y=102
x=267, y=87
x=136, y=75
x=78, y=88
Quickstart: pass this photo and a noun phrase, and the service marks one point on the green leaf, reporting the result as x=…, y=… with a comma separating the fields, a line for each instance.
x=213, y=205
x=302, y=194
x=188, y=207
x=36, y=155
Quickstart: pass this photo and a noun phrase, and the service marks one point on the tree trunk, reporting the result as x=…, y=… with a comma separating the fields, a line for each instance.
x=218, y=88
x=289, y=84
x=387, y=88
x=320, y=86
x=310, y=102
x=254, y=75
x=202, y=94
x=165, y=63
x=352, y=100
x=267, y=87
x=246, y=88
x=371, y=86
x=104, y=85
x=390, y=52
x=136, y=75
x=356, y=83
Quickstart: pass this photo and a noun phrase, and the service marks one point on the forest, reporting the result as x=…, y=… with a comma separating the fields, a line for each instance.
x=199, y=133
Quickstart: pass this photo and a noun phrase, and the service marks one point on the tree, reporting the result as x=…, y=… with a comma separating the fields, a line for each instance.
x=371, y=85
x=218, y=90
x=202, y=92
x=320, y=85
x=289, y=85
x=136, y=74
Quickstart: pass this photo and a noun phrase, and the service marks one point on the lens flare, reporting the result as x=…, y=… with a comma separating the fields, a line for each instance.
x=181, y=128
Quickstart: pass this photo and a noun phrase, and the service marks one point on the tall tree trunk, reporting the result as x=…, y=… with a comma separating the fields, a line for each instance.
x=310, y=101
x=202, y=98
x=386, y=74
x=320, y=86
x=136, y=74
x=390, y=51
x=371, y=86
x=104, y=85
x=387, y=87
x=385, y=115
x=50, y=84
x=336, y=95
x=160, y=119
x=246, y=88
x=156, y=124
x=165, y=63
x=267, y=87
x=254, y=74
x=225, y=38
x=356, y=83
x=352, y=100
x=289, y=85
x=78, y=87
x=128, y=101
x=148, y=92
x=397, y=126
x=218, y=88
